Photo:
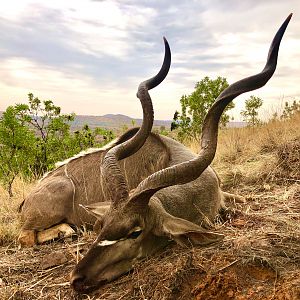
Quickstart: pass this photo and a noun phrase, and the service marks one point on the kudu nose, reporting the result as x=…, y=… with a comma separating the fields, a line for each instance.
x=77, y=282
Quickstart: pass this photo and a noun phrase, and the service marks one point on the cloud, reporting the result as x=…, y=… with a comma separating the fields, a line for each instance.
x=89, y=56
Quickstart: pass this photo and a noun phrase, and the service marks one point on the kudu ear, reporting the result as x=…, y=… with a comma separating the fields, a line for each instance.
x=187, y=233
x=97, y=209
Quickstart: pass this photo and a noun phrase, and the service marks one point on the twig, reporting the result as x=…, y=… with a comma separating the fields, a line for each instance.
x=67, y=283
x=49, y=270
x=37, y=283
x=229, y=265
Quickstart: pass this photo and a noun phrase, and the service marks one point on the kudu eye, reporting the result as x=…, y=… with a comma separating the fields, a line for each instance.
x=135, y=234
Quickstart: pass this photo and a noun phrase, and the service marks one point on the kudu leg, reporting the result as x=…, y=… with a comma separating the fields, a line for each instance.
x=29, y=238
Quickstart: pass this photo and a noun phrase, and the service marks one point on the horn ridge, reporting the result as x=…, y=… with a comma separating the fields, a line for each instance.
x=115, y=182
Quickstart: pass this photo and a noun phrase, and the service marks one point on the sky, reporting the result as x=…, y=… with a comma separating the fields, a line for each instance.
x=90, y=56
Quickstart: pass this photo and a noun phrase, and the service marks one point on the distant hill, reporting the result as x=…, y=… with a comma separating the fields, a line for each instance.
x=116, y=121
x=111, y=121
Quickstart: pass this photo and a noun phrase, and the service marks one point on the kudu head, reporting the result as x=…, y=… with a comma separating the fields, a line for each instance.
x=132, y=226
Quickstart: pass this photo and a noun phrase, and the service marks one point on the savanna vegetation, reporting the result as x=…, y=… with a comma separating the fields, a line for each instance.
x=36, y=135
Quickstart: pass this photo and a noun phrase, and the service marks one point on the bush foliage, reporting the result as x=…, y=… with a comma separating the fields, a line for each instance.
x=195, y=106
x=34, y=136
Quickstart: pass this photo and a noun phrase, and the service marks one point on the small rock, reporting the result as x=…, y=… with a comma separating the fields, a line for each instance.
x=54, y=259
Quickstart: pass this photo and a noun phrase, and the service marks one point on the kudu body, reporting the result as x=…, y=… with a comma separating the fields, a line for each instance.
x=171, y=204
x=56, y=197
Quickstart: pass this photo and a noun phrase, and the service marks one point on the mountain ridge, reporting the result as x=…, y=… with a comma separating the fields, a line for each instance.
x=117, y=121
x=113, y=121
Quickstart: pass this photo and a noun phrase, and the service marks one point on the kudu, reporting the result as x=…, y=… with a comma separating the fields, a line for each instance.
x=171, y=204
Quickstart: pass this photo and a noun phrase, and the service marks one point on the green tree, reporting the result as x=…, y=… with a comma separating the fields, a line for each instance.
x=133, y=122
x=17, y=147
x=195, y=106
x=250, y=114
x=103, y=136
x=290, y=109
x=52, y=128
x=86, y=137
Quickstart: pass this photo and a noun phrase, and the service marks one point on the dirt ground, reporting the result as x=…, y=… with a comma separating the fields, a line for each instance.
x=258, y=259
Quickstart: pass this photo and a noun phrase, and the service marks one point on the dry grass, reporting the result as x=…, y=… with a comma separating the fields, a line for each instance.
x=259, y=258
x=263, y=155
x=9, y=218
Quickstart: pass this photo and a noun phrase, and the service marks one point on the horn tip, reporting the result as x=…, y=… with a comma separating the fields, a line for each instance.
x=165, y=40
x=287, y=20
